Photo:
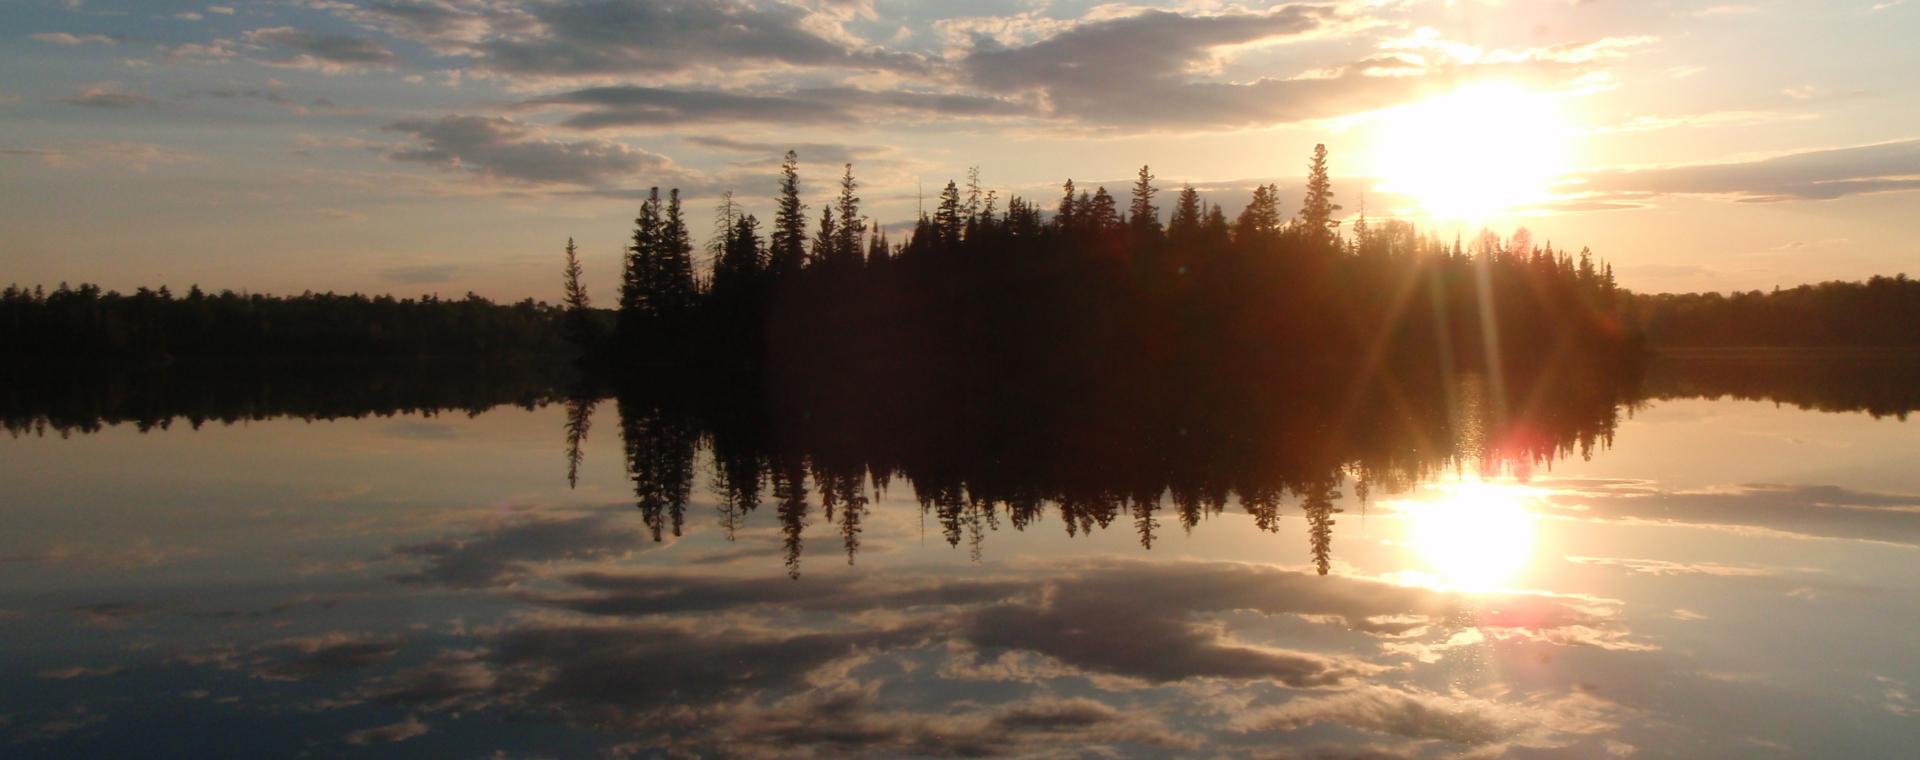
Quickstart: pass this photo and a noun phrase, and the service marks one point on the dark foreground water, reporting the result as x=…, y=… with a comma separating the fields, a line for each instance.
x=1717, y=560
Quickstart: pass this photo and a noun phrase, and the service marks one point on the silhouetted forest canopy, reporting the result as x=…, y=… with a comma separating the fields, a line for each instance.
x=1881, y=312
x=1157, y=284
x=88, y=322
x=1098, y=283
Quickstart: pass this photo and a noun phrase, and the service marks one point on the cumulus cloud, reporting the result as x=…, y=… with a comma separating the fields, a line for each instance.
x=64, y=38
x=109, y=95
x=1152, y=69
x=636, y=106
x=591, y=38
x=827, y=152
x=507, y=151
x=299, y=48
x=1809, y=175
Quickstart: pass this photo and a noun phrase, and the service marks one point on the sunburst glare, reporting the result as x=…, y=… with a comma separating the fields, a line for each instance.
x=1472, y=153
x=1470, y=536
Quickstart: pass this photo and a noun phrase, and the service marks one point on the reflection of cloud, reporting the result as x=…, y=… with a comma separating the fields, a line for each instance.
x=1806, y=510
x=142, y=553
x=323, y=655
x=1455, y=718
x=1663, y=567
x=394, y=732
x=76, y=671
x=112, y=614
x=500, y=554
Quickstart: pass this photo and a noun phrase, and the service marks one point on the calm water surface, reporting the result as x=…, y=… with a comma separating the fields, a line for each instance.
x=1724, y=578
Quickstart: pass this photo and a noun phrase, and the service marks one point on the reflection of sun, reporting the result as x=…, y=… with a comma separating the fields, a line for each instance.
x=1473, y=152
x=1473, y=537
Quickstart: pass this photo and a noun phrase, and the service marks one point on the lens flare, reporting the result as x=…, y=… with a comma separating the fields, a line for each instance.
x=1474, y=152
x=1472, y=537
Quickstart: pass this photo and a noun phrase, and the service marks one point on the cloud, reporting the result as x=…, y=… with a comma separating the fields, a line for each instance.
x=136, y=156
x=503, y=553
x=576, y=38
x=636, y=106
x=508, y=151
x=324, y=655
x=422, y=274
x=109, y=95
x=273, y=97
x=1809, y=175
x=1455, y=719
x=63, y=38
x=324, y=52
x=393, y=732
x=1153, y=69
x=824, y=152
x=1806, y=510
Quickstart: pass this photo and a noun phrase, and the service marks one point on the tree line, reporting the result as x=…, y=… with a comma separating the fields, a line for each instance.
x=1093, y=284
x=89, y=322
x=1880, y=312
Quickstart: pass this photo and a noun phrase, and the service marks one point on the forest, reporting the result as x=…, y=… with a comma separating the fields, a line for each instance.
x=1089, y=285
x=1094, y=288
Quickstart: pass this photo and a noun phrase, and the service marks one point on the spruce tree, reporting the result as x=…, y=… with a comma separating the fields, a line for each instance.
x=847, y=238
x=787, y=245
x=1183, y=229
x=950, y=218
x=1144, y=216
x=1316, y=211
x=579, y=315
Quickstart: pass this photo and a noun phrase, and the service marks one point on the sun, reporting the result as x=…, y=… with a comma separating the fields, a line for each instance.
x=1474, y=536
x=1472, y=153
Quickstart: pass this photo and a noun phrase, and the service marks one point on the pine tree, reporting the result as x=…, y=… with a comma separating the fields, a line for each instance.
x=824, y=237
x=847, y=238
x=950, y=217
x=1064, y=215
x=724, y=214
x=1316, y=211
x=1144, y=216
x=1260, y=220
x=675, y=260
x=1105, y=213
x=579, y=307
x=787, y=245
x=637, y=279
x=1183, y=229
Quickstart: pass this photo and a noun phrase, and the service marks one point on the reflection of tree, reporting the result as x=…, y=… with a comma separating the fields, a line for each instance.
x=579, y=419
x=660, y=446
x=789, y=477
x=1097, y=454
x=1317, y=503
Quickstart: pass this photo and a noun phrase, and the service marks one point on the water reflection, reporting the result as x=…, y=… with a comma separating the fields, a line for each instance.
x=1470, y=535
x=1390, y=570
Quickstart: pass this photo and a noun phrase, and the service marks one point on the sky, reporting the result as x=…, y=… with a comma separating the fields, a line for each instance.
x=453, y=146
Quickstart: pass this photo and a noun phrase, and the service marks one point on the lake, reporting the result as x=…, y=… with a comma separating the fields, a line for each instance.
x=1713, y=558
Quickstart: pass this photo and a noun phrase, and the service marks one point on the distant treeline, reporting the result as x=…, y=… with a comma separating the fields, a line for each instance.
x=1881, y=312
x=88, y=322
x=1099, y=287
